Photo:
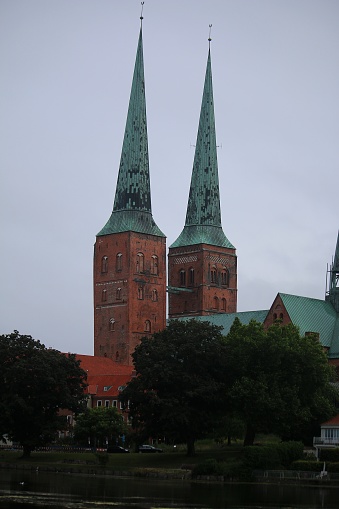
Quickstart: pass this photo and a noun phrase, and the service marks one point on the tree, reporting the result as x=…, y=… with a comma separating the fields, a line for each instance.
x=277, y=381
x=99, y=425
x=178, y=391
x=35, y=383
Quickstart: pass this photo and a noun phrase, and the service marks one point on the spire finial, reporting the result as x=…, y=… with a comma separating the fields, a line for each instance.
x=142, y=8
x=209, y=36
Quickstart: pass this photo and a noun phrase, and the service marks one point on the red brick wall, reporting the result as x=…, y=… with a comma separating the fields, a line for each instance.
x=209, y=293
x=130, y=297
x=277, y=312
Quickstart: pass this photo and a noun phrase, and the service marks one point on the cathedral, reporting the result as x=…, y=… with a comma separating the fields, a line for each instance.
x=132, y=272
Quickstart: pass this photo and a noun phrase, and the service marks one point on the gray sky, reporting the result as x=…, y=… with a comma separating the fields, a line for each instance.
x=66, y=73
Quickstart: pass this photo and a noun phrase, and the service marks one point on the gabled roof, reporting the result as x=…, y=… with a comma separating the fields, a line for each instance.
x=203, y=217
x=225, y=320
x=311, y=315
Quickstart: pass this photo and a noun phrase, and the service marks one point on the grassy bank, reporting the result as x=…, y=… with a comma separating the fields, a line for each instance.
x=169, y=461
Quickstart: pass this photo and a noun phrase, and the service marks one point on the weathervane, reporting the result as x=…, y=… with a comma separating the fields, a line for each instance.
x=209, y=36
x=142, y=8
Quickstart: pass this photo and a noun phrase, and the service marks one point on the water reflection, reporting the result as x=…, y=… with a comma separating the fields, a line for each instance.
x=22, y=489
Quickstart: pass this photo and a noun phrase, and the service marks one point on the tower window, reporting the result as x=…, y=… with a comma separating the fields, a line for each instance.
x=140, y=293
x=191, y=276
x=119, y=262
x=154, y=295
x=111, y=324
x=147, y=326
x=140, y=262
x=213, y=275
x=223, y=304
x=104, y=264
x=117, y=356
x=104, y=295
x=225, y=277
x=118, y=294
x=215, y=303
x=182, y=275
x=154, y=267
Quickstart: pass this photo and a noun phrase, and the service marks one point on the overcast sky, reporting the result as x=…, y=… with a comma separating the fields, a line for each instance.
x=66, y=73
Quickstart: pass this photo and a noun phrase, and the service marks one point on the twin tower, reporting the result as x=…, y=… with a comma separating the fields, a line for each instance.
x=130, y=250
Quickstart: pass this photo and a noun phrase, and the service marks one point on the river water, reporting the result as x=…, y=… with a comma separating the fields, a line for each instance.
x=23, y=490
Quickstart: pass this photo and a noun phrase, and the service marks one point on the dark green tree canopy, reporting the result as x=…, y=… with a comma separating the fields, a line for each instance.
x=35, y=383
x=100, y=425
x=277, y=381
x=179, y=388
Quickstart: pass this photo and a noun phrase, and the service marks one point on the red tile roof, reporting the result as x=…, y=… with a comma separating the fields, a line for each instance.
x=103, y=373
x=103, y=366
x=332, y=422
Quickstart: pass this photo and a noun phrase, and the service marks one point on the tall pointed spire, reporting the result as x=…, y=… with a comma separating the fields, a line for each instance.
x=132, y=205
x=333, y=291
x=203, y=218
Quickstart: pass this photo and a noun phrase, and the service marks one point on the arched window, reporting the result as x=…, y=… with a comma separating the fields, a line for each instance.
x=191, y=276
x=215, y=303
x=213, y=274
x=117, y=355
x=140, y=262
x=111, y=324
x=147, y=326
x=275, y=316
x=104, y=264
x=104, y=295
x=119, y=262
x=225, y=277
x=281, y=316
x=154, y=295
x=182, y=276
x=223, y=304
x=154, y=267
x=118, y=294
x=141, y=292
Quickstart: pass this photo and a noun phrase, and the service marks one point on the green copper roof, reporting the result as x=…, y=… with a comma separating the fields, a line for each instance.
x=311, y=315
x=203, y=218
x=225, y=320
x=132, y=204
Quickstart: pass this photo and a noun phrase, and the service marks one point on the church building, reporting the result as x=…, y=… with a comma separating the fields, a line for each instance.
x=129, y=270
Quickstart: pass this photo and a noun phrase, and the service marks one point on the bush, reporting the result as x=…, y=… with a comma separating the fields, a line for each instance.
x=273, y=456
x=329, y=454
x=307, y=466
x=261, y=457
x=289, y=452
x=209, y=467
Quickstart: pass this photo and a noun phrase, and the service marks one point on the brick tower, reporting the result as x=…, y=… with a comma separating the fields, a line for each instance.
x=202, y=263
x=130, y=250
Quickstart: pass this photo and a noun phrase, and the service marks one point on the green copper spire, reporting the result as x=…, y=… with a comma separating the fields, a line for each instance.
x=132, y=205
x=203, y=218
x=333, y=292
